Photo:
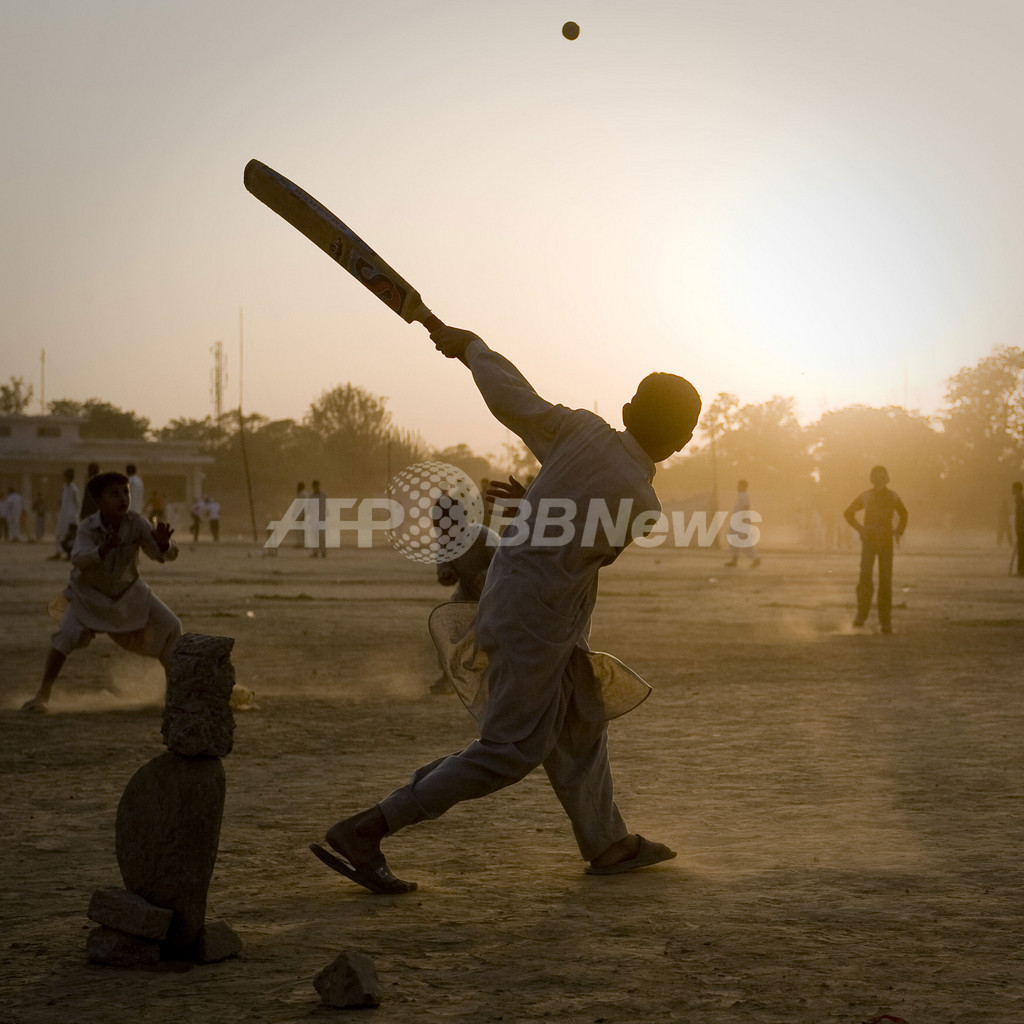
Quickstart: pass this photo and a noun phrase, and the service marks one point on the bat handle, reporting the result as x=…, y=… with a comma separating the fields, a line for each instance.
x=431, y=322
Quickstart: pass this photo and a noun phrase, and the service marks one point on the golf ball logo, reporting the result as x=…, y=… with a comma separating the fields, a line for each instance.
x=444, y=511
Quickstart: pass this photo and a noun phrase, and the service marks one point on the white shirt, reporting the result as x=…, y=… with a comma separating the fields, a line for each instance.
x=70, y=504
x=13, y=505
x=108, y=595
x=137, y=492
x=538, y=599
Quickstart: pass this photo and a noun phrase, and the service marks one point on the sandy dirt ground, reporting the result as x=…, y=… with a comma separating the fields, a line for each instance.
x=846, y=805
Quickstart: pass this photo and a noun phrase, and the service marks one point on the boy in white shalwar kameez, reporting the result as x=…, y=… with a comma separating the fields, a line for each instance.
x=106, y=594
x=532, y=622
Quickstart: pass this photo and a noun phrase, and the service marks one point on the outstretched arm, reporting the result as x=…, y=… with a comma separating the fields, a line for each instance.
x=508, y=394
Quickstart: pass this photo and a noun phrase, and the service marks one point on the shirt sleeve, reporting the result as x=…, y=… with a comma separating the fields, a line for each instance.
x=85, y=553
x=513, y=401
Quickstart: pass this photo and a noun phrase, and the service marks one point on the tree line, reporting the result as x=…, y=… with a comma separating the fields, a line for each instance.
x=952, y=469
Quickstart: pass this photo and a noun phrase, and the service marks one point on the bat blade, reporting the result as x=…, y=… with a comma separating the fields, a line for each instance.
x=338, y=240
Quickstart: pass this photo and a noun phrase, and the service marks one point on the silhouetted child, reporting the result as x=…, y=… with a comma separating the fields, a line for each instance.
x=741, y=505
x=106, y=594
x=879, y=505
x=532, y=621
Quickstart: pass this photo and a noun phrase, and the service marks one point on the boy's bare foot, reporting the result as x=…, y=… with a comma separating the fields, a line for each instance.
x=36, y=705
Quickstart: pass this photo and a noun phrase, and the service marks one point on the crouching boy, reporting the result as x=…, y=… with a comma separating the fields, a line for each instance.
x=105, y=593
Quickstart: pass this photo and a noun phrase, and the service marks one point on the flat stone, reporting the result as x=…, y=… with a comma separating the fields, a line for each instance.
x=349, y=981
x=166, y=834
x=128, y=912
x=119, y=949
x=217, y=941
x=197, y=720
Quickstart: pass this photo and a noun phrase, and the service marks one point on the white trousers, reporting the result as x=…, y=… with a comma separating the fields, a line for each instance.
x=573, y=751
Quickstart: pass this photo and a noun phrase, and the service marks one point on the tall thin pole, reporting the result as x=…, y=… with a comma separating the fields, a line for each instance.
x=241, y=434
x=42, y=382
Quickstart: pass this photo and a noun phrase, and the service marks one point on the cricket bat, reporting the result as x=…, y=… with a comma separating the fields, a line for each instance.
x=339, y=241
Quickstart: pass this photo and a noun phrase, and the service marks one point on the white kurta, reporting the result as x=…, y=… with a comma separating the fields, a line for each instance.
x=538, y=599
x=108, y=595
x=137, y=493
x=533, y=618
x=70, y=504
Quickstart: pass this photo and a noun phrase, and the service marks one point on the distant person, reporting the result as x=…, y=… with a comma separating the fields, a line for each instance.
x=106, y=594
x=39, y=511
x=321, y=511
x=138, y=490
x=532, y=622
x=877, y=535
x=301, y=493
x=156, y=509
x=1018, y=523
x=67, y=517
x=88, y=502
x=197, y=511
x=213, y=515
x=1004, y=524
x=741, y=504
x=14, y=507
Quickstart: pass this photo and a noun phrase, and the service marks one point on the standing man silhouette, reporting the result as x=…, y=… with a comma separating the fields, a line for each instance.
x=879, y=505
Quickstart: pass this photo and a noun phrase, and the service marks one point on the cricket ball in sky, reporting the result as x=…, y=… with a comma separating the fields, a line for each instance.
x=570, y=30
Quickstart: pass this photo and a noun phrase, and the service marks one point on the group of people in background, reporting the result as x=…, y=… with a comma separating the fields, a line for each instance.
x=209, y=509
x=13, y=515
x=20, y=521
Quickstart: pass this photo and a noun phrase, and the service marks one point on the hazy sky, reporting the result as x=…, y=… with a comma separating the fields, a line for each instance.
x=806, y=198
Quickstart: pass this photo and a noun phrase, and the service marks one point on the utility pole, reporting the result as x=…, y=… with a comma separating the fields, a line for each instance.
x=218, y=378
x=241, y=434
x=42, y=383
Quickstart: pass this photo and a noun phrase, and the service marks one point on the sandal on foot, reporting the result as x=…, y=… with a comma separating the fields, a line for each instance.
x=647, y=853
x=374, y=875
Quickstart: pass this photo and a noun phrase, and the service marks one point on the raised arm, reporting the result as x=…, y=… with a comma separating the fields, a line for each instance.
x=508, y=394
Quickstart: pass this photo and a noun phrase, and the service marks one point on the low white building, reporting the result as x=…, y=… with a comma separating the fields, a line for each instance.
x=36, y=450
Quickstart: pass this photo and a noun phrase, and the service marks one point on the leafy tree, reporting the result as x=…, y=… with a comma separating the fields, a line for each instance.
x=985, y=407
x=848, y=442
x=103, y=419
x=15, y=397
x=357, y=445
x=764, y=444
x=206, y=431
x=984, y=427
x=474, y=466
